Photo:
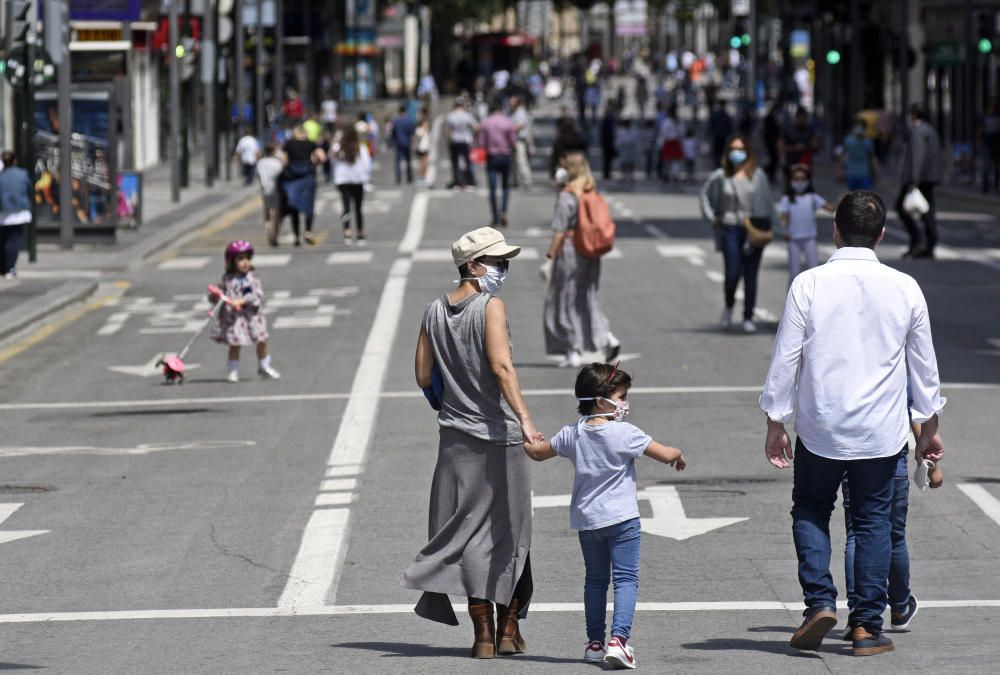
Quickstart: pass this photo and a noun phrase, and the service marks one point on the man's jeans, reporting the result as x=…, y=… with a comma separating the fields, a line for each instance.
x=740, y=262
x=403, y=156
x=498, y=166
x=816, y=480
x=899, y=562
x=461, y=173
x=608, y=552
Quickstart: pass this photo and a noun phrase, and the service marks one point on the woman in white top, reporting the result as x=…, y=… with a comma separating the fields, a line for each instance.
x=352, y=169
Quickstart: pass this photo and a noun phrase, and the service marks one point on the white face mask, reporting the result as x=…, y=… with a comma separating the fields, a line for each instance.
x=492, y=281
x=620, y=412
x=800, y=186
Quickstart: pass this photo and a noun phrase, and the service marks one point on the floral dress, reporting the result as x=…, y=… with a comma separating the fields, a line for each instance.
x=247, y=325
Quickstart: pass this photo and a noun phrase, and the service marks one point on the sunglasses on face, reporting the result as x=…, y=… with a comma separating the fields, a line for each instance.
x=502, y=263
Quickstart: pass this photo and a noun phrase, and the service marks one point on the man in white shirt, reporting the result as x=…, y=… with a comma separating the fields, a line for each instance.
x=853, y=333
x=461, y=130
x=248, y=150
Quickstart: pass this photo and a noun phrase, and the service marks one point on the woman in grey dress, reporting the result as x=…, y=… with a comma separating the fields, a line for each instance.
x=574, y=321
x=480, y=503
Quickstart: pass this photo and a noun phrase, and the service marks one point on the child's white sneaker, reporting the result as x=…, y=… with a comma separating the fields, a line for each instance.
x=620, y=653
x=269, y=373
x=233, y=376
x=594, y=651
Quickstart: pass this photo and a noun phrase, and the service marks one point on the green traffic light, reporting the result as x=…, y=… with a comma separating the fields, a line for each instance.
x=745, y=39
x=735, y=42
x=985, y=46
x=179, y=51
x=833, y=57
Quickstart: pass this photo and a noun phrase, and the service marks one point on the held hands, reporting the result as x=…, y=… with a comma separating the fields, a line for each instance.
x=930, y=446
x=531, y=435
x=777, y=447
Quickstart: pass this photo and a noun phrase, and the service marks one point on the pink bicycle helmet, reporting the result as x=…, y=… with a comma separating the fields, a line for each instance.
x=237, y=247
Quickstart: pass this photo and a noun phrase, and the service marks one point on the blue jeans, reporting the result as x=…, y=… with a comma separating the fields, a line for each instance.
x=859, y=183
x=403, y=158
x=814, y=491
x=608, y=552
x=498, y=166
x=899, y=561
x=740, y=262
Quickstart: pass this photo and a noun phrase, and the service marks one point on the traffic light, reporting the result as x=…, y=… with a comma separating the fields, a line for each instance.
x=987, y=32
x=833, y=57
x=16, y=24
x=735, y=42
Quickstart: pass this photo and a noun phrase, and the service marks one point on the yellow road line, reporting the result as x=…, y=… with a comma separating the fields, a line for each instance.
x=229, y=219
x=50, y=329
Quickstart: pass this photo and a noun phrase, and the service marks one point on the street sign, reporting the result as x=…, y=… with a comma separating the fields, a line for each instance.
x=741, y=8
x=946, y=53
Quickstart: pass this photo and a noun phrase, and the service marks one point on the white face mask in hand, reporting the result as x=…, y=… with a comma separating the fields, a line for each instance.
x=921, y=477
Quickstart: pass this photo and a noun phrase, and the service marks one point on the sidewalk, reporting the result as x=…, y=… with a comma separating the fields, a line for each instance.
x=60, y=278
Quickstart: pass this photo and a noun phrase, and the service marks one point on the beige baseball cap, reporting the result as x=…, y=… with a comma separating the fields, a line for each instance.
x=486, y=241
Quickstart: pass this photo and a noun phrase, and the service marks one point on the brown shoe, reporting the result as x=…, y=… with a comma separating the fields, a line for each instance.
x=815, y=626
x=484, y=629
x=866, y=643
x=509, y=640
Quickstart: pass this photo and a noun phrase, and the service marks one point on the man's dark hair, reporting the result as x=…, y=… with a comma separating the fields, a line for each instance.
x=599, y=380
x=402, y=108
x=8, y=158
x=496, y=104
x=918, y=111
x=860, y=218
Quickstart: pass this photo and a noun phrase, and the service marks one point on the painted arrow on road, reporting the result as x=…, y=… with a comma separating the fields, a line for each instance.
x=6, y=511
x=148, y=369
x=669, y=519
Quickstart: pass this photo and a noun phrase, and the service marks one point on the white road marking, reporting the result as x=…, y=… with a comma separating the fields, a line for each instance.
x=185, y=263
x=271, y=259
x=340, y=396
x=444, y=255
x=317, y=560
x=341, y=292
x=6, y=536
x=715, y=275
x=338, y=484
x=350, y=258
x=142, y=449
x=348, y=470
x=285, y=302
x=334, y=499
x=614, y=254
x=680, y=251
x=354, y=610
x=415, y=225
x=114, y=323
x=983, y=499
x=314, y=321
x=655, y=232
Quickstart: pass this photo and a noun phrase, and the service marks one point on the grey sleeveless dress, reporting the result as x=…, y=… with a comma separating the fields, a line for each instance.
x=479, y=526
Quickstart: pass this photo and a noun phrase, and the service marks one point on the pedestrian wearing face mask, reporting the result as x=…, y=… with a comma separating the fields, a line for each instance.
x=603, y=448
x=860, y=165
x=480, y=498
x=732, y=194
x=573, y=319
x=797, y=209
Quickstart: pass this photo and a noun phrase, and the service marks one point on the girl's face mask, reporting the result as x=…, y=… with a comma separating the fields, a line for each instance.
x=620, y=412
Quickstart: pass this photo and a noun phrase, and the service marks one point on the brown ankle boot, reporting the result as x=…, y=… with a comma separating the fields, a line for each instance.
x=484, y=630
x=509, y=640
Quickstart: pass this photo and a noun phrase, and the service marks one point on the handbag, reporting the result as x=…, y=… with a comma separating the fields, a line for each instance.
x=915, y=203
x=759, y=231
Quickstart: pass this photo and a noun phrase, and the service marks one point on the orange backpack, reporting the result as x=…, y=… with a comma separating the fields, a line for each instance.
x=595, y=230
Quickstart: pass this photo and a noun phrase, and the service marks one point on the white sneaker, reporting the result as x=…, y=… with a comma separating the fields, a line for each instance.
x=269, y=373
x=620, y=653
x=594, y=652
x=749, y=326
x=11, y=274
x=233, y=376
x=726, y=320
x=572, y=360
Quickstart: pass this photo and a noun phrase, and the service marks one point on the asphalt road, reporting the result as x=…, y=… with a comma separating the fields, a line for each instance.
x=263, y=526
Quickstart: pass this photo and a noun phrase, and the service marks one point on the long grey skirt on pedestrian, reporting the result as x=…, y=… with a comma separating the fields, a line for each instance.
x=573, y=316
x=479, y=528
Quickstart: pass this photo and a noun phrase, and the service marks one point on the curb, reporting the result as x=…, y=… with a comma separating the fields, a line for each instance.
x=18, y=318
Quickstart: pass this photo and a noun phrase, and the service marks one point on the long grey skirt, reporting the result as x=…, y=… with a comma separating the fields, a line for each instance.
x=479, y=528
x=573, y=316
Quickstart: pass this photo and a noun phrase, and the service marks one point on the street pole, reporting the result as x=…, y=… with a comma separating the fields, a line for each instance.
x=279, y=53
x=209, y=67
x=64, y=77
x=173, y=146
x=239, y=41
x=752, y=63
x=904, y=66
x=187, y=99
x=258, y=66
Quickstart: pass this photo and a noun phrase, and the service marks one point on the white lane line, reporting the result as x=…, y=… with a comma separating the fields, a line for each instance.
x=338, y=484
x=337, y=396
x=319, y=555
x=432, y=155
x=680, y=251
x=185, y=263
x=415, y=225
x=114, y=323
x=716, y=276
x=334, y=499
x=349, y=610
x=444, y=255
x=983, y=499
x=341, y=471
x=614, y=254
x=350, y=258
x=271, y=259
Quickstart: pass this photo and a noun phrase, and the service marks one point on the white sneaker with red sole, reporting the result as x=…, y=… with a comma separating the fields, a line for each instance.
x=594, y=652
x=620, y=653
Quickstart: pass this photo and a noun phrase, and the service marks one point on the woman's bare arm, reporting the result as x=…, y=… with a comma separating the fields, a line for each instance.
x=498, y=355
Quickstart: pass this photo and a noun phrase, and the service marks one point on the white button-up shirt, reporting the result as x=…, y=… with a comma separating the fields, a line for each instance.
x=852, y=331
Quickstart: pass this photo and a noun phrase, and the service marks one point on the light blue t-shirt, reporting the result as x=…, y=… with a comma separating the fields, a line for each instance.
x=603, y=457
x=857, y=156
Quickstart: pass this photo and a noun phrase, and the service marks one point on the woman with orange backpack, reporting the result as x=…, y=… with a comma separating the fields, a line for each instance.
x=582, y=232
